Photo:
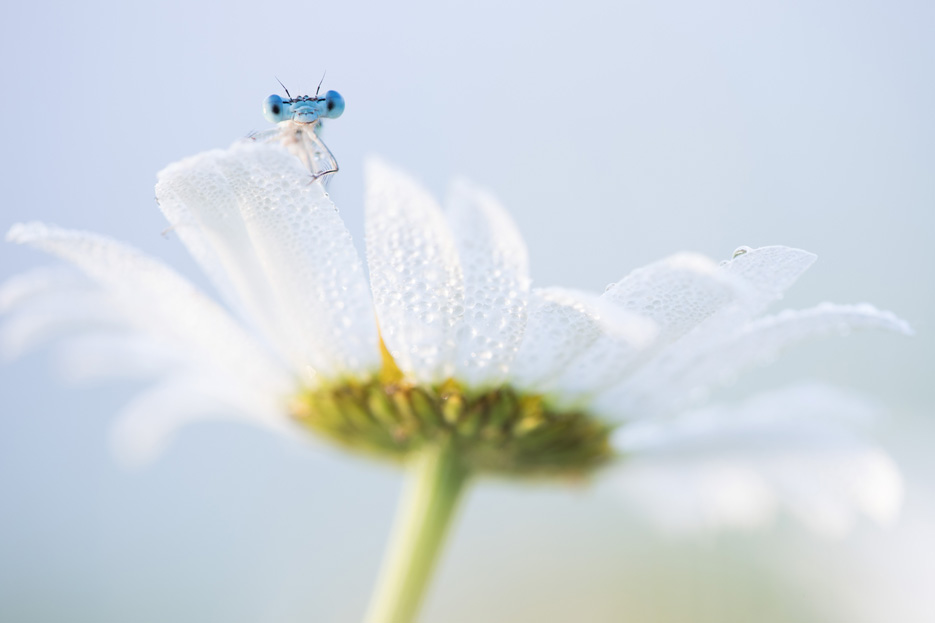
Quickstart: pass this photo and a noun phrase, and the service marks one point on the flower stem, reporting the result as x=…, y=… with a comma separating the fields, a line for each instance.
x=436, y=482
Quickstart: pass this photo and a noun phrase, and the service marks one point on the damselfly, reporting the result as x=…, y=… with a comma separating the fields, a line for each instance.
x=299, y=122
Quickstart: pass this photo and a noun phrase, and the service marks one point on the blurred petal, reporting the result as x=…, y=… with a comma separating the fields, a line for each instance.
x=495, y=268
x=97, y=356
x=26, y=287
x=43, y=304
x=790, y=449
x=684, y=375
x=416, y=280
x=37, y=324
x=146, y=425
x=152, y=298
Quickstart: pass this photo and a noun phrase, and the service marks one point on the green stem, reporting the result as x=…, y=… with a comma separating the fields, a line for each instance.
x=436, y=482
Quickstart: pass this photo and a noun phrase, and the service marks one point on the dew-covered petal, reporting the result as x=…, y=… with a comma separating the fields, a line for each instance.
x=308, y=257
x=699, y=304
x=149, y=421
x=682, y=376
x=760, y=277
x=794, y=449
x=769, y=272
x=415, y=277
x=495, y=268
x=607, y=359
x=283, y=248
x=560, y=324
x=677, y=293
x=602, y=364
x=204, y=212
x=151, y=298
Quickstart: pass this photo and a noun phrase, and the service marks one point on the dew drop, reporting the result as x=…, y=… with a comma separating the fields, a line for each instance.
x=740, y=251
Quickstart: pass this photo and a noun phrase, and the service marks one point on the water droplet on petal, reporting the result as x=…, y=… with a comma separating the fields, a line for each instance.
x=741, y=251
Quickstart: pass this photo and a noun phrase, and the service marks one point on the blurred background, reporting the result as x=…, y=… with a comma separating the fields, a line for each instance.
x=616, y=133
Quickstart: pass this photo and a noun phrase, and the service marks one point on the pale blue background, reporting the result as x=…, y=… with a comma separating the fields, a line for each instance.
x=616, y=133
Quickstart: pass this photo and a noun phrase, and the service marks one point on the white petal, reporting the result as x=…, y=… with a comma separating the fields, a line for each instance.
x=677, y=293
x=495, y=267
x=735, y=466
x=200, y=203
x=414, y=274
x=98, y=356
x=685, y=375
x=155, y=300
x=43, y=304
x=308, y=257
x=300, y=244
x=700, y=305
x=684, y=497
x=25, y=287
x=759, y=277
x=607, y=359
x=769, y=272
x=41, y=322
x=146, y=425
x=561, y=324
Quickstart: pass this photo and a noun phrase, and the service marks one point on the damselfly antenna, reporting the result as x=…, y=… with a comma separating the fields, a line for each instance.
x=289, y=95
x=319, y=83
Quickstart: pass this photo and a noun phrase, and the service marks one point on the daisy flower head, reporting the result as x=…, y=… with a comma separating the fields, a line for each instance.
x=443, y=356
x=447, y=344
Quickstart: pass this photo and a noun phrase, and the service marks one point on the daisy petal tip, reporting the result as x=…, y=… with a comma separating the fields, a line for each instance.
x=883, y=490
x=383, y=179
x=694, y=262
x=801, y=254
x=25, y=233
x=462, y=189
x=182, y=168
x=376, y=167
x=900, y=326
x=885, y=318
x=461, y=183
x=790, y=255
x=807, y=256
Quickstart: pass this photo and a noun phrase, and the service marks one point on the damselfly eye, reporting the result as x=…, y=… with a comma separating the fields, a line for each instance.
x=273, y=109
x=334, y=105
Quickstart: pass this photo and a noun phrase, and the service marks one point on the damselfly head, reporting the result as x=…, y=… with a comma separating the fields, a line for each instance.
x=304, y=109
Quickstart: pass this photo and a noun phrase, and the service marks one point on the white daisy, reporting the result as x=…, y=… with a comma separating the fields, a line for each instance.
x=449, y=344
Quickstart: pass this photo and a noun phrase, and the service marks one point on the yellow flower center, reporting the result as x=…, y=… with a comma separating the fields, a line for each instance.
x=500, y=430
